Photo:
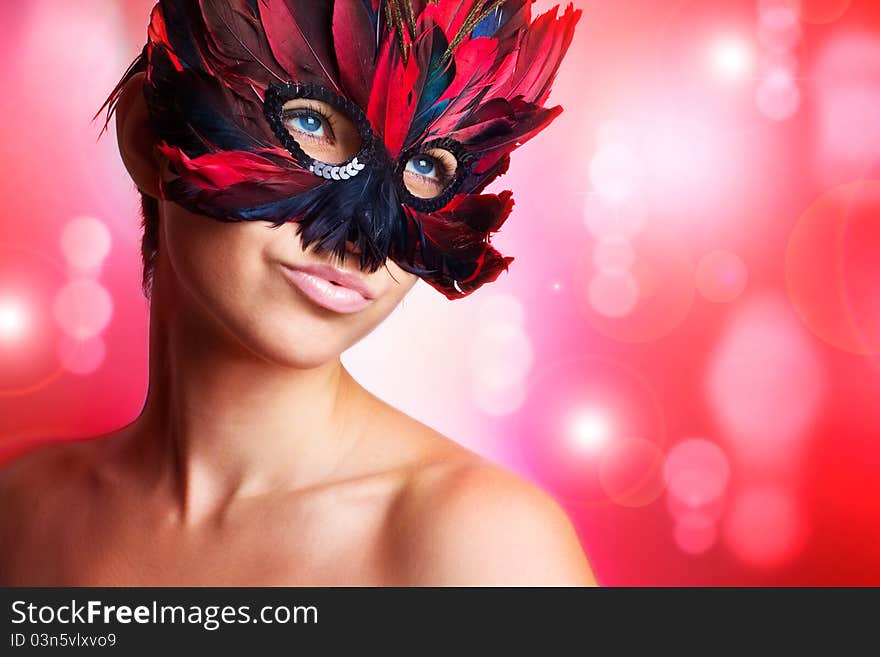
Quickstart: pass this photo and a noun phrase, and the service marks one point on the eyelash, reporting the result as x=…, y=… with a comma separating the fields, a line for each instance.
x=295, y=112
x=446, y=176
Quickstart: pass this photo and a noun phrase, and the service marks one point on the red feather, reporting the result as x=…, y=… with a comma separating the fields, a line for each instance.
x=501, y=124
x=157, y=36
x=219, y=170
x=471, y=75
x=237, y=45
x=382, y=85
x=538, y=57
x=399, y=107
x=450, y=15
x=461, y=233
x=237, y=179
x=483, y=213
x=355, y=47
x=298, y=34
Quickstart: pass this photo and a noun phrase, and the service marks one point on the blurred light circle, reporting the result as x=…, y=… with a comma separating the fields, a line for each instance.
x=695, y=533
x=631, y=471
x=613, y=294
x=498, y=401
x=577, y=408
x=13, y=319
x=832, y=270
x=779, y=15
x=589, y=429
x=81, y=356
x=649, y=300
x=501, y=354
x=779, y=29
x=844, y=96
x=28, y=282
x=765, y=6
x=764, y=526
x=693, y=158
x=848, y=135
x=613, y=254
x=616, y=131
x=823, y=11
x=85, y=242
x=678, y=508
x=765, y=384
x=501, y=309
x=697, y=472
x=604, y=219
x=778, y=96
x=779, y=59
x=91, y=66
x=615, y=172
x=95, y=172
x=721, y=276
x=732, y=57
x=83, y=308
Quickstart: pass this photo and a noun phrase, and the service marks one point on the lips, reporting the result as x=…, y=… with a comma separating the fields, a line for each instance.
x=330, y=287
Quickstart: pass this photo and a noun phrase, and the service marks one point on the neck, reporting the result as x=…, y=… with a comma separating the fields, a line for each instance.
x=222, y=423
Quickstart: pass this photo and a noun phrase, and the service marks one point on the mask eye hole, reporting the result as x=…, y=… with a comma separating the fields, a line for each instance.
x=326, y=133
x=430, y=174
x=322, y=131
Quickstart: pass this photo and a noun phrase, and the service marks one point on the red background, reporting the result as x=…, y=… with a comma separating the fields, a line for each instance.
x=685, y=351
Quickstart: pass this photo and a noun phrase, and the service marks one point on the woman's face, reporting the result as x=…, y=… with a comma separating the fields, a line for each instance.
x=288, y=304
x=249, y=277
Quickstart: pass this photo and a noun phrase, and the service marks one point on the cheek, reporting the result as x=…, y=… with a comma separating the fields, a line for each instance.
x=397, y=290
x=218, y=262
x=400, y=282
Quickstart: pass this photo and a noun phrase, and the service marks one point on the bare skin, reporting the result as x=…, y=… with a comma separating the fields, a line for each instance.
x=257, y=458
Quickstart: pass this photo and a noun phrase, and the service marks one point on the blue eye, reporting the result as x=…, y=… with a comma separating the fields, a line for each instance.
x=308, y=122
x=423, y=165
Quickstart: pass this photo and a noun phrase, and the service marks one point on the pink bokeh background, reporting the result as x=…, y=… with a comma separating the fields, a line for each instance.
x=685, y=350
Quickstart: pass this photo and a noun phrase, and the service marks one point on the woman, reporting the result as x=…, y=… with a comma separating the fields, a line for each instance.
x=301, y=165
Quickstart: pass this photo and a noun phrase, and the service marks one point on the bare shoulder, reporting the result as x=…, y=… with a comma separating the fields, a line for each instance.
x=33, y=460
x=43, y=469
x=464, y=521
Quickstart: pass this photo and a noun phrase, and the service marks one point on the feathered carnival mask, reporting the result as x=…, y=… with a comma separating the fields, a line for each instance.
x=432, y=95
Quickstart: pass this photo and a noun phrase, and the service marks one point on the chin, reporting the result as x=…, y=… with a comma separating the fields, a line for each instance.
x=298, y=340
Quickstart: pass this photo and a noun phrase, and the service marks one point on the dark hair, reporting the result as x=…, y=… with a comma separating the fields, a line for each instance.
x=150, y=240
